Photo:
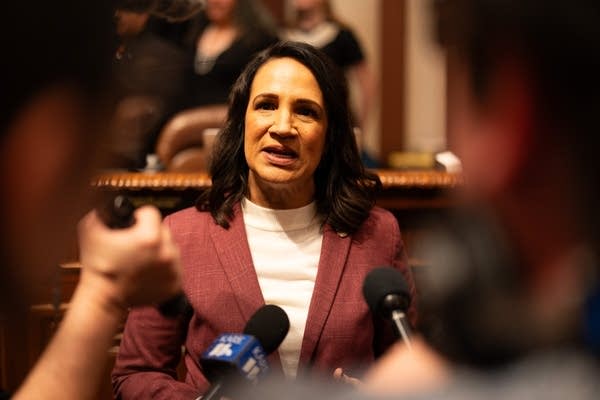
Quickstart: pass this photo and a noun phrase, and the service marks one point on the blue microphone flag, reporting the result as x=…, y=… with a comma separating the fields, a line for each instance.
x=239, y=350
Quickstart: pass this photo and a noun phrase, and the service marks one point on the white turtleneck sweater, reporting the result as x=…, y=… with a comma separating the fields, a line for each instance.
x=285, y=247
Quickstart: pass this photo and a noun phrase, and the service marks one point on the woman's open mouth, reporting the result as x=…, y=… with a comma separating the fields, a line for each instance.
x=280, y=155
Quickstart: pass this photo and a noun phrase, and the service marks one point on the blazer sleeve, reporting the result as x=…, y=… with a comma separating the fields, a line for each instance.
x=148, y=357
x=149, y=353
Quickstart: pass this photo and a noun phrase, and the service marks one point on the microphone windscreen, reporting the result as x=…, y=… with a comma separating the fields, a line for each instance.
x=269, y=325
x=383, y=281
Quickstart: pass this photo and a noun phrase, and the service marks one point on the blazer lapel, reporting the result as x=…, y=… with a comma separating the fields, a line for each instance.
x=334, y=252
x=234, y=254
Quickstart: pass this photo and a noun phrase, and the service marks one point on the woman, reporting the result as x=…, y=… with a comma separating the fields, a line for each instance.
x=289, y=220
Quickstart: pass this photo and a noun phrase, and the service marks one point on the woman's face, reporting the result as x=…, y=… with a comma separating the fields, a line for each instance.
x=220, y=10
x=285, y=128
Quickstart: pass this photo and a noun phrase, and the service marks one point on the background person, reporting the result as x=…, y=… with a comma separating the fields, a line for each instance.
x=289, y=220
x=51, y=135
x=218, y=43
x=315, y=23
x=222, y=40
x=176, y=63
x=150, y=70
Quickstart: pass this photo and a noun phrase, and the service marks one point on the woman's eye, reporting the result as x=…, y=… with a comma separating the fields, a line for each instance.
x=308, y=112
x=265, y=105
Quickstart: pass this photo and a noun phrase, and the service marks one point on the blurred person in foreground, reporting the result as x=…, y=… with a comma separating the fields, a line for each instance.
x=289, y=220
x=514, y=287
x=53, y=92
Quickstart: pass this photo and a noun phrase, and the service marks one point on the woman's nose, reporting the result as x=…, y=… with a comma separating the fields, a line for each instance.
x=282, y=123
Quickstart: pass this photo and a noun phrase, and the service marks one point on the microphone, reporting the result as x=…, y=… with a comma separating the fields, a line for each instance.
x=386, y=292
x=235, y=358
x=117, y=213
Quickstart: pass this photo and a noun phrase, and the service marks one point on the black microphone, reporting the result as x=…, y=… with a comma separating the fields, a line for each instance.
x=386, y=292
x=234, y=359
x=117, y=213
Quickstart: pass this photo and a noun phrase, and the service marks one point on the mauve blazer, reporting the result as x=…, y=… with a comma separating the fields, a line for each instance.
x=222, y=287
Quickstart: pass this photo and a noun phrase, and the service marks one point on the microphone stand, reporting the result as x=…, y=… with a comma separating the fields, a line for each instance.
x=402, y=327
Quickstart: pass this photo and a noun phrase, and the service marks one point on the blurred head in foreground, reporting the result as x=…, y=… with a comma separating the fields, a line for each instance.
x=53, y=76
x=524, y=96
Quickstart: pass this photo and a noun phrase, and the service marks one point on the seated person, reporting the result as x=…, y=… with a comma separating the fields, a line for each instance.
x=150, y=73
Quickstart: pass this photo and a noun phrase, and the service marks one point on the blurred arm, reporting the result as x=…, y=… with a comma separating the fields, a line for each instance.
x=401, y=370
x=133, y=266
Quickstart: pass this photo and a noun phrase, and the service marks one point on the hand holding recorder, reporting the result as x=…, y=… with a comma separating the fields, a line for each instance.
x=134, y=261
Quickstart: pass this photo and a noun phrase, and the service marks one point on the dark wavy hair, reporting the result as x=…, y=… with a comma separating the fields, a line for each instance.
x=344, y=190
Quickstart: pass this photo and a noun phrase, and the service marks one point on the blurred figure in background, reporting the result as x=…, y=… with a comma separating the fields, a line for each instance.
x=315, y=23
x=222, y=40
x=513, y=291
x=176, y=57
x=150, y=70
x=218, y=43
x=54, y=93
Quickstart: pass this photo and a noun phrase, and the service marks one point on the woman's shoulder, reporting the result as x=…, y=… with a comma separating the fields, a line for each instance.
x=192, y=216
x=187, y=216
x=381, y=214
x=380, y=227
x=379, y=221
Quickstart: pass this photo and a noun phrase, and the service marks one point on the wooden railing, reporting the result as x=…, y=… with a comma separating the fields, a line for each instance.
x=391, y=179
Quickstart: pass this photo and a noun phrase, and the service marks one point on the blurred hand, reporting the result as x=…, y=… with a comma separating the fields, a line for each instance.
x=402, y=370
x=138, y=265
x=340, y=376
